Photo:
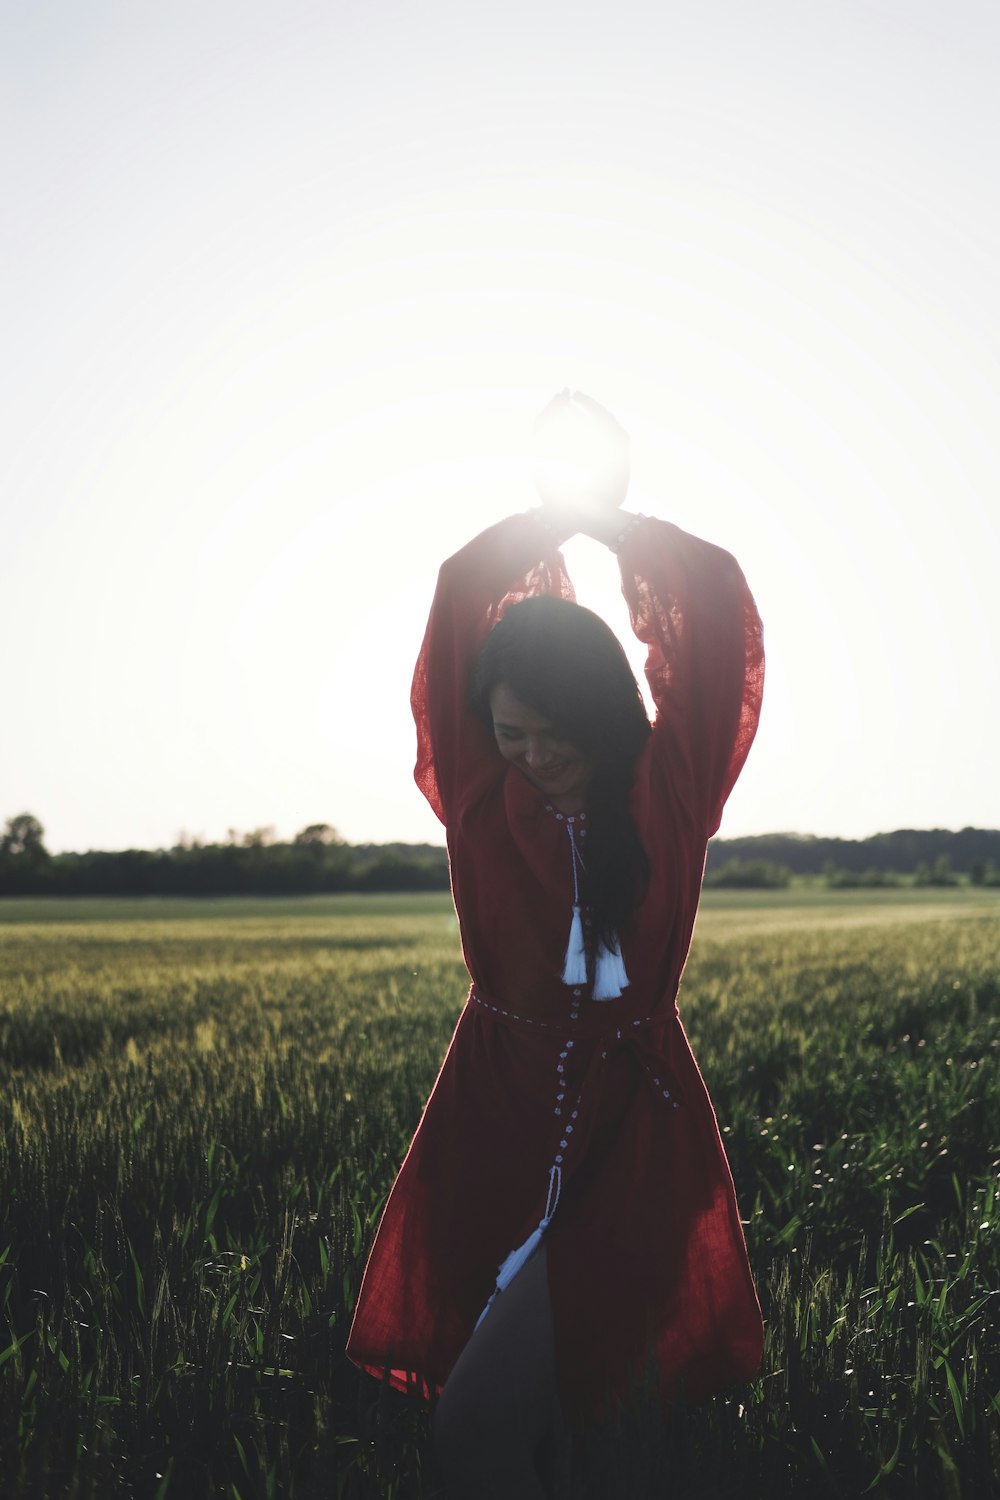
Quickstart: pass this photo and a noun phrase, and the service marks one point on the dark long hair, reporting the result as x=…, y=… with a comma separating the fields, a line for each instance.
x=564, y=662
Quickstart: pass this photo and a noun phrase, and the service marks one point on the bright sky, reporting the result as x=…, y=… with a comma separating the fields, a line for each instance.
x=285, y=286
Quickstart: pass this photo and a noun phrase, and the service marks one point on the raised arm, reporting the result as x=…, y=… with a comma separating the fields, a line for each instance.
x=517, y=558
x=691, y=606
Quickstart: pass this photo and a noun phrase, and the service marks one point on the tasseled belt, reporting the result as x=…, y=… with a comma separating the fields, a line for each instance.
x=656, y=1067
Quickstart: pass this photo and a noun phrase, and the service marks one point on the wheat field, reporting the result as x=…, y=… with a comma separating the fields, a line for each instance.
x=203, y=1105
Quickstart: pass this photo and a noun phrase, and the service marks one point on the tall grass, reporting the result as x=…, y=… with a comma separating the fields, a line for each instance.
x=202, y=1107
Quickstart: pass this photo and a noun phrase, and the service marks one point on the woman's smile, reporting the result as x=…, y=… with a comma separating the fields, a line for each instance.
x=536, y=747
x=549, y=773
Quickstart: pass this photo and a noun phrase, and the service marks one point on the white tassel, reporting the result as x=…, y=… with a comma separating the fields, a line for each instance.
x=575, y=962
x=610, y=977
x=518, y=1258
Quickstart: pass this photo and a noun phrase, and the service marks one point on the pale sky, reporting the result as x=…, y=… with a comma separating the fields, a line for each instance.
x=285, y=286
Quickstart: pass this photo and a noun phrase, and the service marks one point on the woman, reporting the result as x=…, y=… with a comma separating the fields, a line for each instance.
x=565, y=1212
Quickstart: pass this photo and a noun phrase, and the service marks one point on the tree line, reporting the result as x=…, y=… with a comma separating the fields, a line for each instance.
x=318, y=860
x=921, y=856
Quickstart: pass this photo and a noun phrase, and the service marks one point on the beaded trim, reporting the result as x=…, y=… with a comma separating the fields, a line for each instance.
x=509, y=1014
x=626, y=531
x=565, y=817
x=657, y=1083
x=537, y=513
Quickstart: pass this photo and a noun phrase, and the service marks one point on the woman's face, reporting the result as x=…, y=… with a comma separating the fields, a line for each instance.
x=527, y=739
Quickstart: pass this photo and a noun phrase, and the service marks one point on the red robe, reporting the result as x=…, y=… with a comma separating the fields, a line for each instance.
x=645, y=1249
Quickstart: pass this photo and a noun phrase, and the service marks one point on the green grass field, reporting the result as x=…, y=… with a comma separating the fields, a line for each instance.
x=203, y=1105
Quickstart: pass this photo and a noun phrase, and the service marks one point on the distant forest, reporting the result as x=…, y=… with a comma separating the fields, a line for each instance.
x=319, y=860
x=934, y=856
x=254, y=863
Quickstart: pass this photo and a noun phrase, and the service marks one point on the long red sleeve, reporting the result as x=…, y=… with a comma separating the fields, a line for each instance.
x=506, y=563
x=691, y=607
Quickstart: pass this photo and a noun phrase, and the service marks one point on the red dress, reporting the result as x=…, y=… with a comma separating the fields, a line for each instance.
x=645, y=1248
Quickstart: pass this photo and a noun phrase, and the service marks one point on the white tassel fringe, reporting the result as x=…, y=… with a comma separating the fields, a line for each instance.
x=518, y=1258
x=610, y=977
x=575, y=962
